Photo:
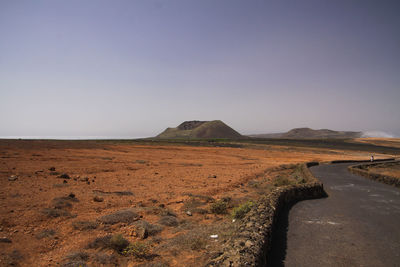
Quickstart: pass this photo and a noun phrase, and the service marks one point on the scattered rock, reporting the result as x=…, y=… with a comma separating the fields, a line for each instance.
x=123, y=193
x=5, y=240
x=151, y=229
x=65, y=182
x=13, y=178
x=98, y=199
x=64, y=176
x=118, y=193
x=188, y=213
x=248, y=244
x=52, y=169
x=212, y=176
x=140, y=232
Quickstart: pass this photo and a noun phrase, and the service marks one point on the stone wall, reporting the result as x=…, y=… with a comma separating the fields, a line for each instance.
x=252, y=239
x=362, y=169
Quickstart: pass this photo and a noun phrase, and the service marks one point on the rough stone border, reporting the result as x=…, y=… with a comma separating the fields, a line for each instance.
x=357, y=161
x=252, y=239
x=386, y=179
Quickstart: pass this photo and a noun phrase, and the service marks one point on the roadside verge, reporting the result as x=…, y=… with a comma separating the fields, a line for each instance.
x=362, y=169
x=250, y=243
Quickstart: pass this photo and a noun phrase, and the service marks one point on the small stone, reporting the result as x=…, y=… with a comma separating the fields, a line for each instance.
x=212, y=176
x=84, y=179
x=13, y=178
x=65, y=182
x=52, y=169
x=249, y=225
x=214, y=236
x=139, y=232
x=189, y=213
x=5, y=240
x=64, y=176
x=248, y=244
x=98, y=199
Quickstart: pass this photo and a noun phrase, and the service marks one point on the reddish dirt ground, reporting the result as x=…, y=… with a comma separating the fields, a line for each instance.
x=157, y=176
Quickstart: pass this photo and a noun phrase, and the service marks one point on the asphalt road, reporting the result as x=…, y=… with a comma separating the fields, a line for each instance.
x=357, y=225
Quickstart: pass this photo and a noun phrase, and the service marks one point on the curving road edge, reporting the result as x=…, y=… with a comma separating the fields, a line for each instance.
x=357, y=225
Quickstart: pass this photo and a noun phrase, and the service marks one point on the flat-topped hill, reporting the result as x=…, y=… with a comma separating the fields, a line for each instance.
x=307, y=133
x=200, y=130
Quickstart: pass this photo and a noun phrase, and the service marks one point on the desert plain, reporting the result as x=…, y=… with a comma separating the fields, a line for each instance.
x=63, y=201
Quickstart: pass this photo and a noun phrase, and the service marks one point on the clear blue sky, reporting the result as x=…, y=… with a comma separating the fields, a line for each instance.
x=133, y=68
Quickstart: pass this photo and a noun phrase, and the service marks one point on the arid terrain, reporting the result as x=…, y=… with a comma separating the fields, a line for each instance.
x=390, y=169
x=63, y=203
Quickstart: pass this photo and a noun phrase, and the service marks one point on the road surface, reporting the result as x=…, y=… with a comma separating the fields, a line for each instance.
x=357, y=225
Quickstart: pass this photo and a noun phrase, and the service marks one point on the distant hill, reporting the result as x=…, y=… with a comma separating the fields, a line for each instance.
x=307, y=133
x=200, y=129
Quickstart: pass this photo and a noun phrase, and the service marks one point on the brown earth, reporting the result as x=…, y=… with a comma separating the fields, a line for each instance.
x=391, y=142
x=390, y=169
x=158, y=183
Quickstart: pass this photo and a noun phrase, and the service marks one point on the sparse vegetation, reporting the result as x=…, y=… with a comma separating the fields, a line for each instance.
x=151, y=229
x=242, y=210
x=121, y=216
x=55, y=213
x=168, y=221
x=136, y=249
x=174, y=182
x=116, y=242
x=105, y=259
x=84, y=225
x=46, y=233
x=282, y=181
x=78, y=256
x=197, y=243
x=219, y=207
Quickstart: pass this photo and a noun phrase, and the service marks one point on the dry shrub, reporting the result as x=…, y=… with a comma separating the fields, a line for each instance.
x=105, y=259
x=136, y=249
x=55, y=213
x=76, y=259
x=45, y=233
x=168, y=221
x=151, y=229
x=121, y=216
x=84, y=225
x=116, y=242
x=240, y=212
x=219, y=207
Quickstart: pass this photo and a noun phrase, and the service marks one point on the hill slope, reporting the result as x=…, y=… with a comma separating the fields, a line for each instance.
x=200, y=129
x=307, y=133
